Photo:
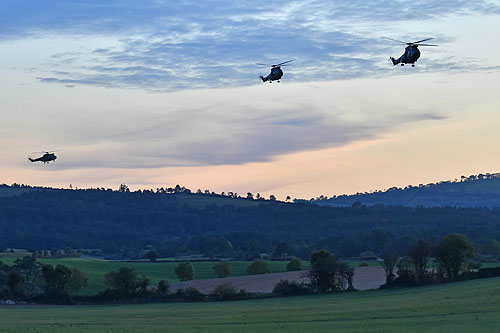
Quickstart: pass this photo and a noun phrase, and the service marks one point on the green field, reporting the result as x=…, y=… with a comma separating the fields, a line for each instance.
x=470, y=306
x=97, y=268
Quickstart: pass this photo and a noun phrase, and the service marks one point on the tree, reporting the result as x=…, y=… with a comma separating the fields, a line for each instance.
x=390, y=261
x=286, y=288
x=258, y=267
x=225, y=292
x=29, y=267
x=282, y=250
x=57, y=281
x=491, y=247
x=152, y=255
x=124, y=281
x=222, y=269
x=452, y=252
x=162, y=288
x=123, y=188
x=185, y=271
x=142, y=284
x=14, y=280
x=294, y=265
x=79, y=280
x=420, y=253
x=328, y=274
x=272, y=197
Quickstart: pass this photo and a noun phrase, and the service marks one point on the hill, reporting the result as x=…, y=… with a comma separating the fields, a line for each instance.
x=179, y=222
x=473, y=191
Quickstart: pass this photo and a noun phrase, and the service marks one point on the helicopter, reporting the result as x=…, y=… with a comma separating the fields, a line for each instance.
x=412, y=53
x=276, y=72
x=46, y=158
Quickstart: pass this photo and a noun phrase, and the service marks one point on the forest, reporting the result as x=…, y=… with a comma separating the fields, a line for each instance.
x=177, y=221
x=482, y=190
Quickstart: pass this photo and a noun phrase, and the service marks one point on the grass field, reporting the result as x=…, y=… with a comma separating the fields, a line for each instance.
x=470, y=306
x=96, y=269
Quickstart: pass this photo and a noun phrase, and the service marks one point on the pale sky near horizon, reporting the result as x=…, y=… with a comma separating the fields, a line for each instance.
x=159, y=93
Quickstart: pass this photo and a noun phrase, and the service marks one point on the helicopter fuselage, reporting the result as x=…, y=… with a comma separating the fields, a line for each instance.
x=46, y=158
x=275, y=75
x=411, y=55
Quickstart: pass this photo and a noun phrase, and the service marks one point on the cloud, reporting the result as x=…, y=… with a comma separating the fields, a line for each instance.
x=166, y=45
x=217, y=134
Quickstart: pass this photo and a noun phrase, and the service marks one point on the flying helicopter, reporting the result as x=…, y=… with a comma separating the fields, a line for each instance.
x=276, y=72
x=412, y=53
x=46, y=158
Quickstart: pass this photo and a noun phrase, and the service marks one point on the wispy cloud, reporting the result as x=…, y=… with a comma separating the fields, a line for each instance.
x=167, y=45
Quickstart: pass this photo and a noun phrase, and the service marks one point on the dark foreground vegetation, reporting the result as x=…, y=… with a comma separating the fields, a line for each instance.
x=470, y=306
x=28, y=280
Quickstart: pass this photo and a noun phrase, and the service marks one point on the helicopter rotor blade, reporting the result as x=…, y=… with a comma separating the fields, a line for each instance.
x=284, y=62
x=259, y=64
x=423, y=40
x=426, y=44
x=394, y=40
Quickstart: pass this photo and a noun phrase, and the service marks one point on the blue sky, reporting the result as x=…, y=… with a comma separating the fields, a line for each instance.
x=142, y=92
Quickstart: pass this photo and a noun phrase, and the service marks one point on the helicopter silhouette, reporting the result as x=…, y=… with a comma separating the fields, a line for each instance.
x=276, y=72
x=46, y=158
x=412, y=53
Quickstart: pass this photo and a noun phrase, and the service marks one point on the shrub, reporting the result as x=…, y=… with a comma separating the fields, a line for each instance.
x=363, y=264
x=258, y=267
x=162, y=288
x=294, y=265
x=194, y=295
x=225, y=292
x=286, y=288
x=222, y=269
x=185, y=271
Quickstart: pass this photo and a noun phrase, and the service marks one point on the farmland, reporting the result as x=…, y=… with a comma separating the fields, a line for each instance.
x=470, y=306
x=96, y=269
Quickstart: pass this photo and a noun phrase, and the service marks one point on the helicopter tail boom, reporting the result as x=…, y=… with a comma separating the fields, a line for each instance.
x=264, y=79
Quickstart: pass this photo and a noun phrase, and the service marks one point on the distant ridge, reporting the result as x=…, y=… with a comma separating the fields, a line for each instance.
x=482, y=190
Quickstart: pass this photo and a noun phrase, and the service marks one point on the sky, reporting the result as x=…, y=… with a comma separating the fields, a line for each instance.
x=158, y=93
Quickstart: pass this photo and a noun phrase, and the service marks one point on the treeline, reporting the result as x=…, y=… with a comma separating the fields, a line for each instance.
x=127, y=222
x=482, y=190
x=451, y=259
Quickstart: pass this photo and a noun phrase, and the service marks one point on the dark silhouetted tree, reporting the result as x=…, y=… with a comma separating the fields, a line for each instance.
x=282, y=250
x=14, y=280
x=124, y=281
x=152, y=255
x=452, y=252
x=162, y=288
x=390, y=260
x=185, y=271
x=60, y=280
x=222, y=269
x=328, y=274
x=258, y=267
x=29, y=267
x=420, y=253
x=491, y=247
x=294, y=265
